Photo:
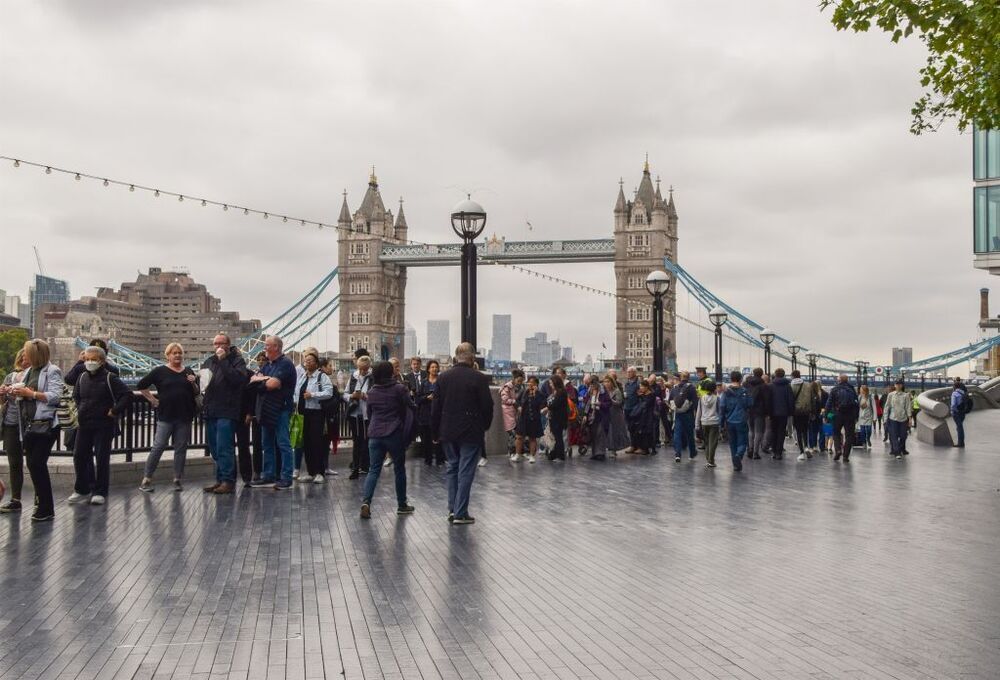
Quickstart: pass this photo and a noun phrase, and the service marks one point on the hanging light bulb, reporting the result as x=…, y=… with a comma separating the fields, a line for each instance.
x=203, y=203
x=156, y=193
x=77, y=178
x=265, y=216
x=105, y=182
x=245, y=211
x=180, y=198
x=17, y=163
x=131, y=187
x=225, y=207
x=303, y=223
x=48, y=171
x=284, y=219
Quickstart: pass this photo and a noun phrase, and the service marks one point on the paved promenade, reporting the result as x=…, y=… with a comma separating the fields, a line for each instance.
x=635, y=568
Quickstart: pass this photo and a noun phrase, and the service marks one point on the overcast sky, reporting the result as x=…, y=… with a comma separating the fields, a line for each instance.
x=803, y=199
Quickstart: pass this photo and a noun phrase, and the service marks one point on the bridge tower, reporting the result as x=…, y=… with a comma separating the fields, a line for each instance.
x=645, y=233
x=372, y=293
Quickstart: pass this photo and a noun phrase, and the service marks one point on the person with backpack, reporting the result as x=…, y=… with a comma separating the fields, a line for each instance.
x=356, y=398
x=782, y=407
x=734, y=412
x=897, y=419
x=866, y=416
x=818, y=398
x=843, y=403
x=683, y=403
x=312, y=390
x=961, y=405
x=101, y=398
x=802, y=396
x=757, y=417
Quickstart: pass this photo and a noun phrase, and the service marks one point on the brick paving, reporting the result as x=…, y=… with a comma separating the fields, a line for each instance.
x=635, y=568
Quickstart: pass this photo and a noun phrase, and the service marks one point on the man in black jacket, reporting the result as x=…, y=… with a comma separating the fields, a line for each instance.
x=221, y=410
x=415, y=377
x=843, y=402
x=461, y=415
x=759, y=410
x=782, y=406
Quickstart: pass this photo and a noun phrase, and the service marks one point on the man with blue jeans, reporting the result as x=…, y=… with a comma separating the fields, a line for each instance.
x=460, y=416
x=683, y=401
x=222, y=410
x=274, y=407
x=734, y=406
x=960, y=406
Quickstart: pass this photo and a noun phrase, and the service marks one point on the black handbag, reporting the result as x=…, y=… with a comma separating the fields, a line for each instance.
x=38, y=428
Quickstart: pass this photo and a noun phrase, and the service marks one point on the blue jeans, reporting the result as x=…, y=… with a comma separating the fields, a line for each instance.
x=739, y=438
x=897, y=435
x=377, y=448
x=960, y=426
x=684, y=433
x=815, y=430
x=276, y=438
x=866, y=434
x=219, y=433
x=460, y=471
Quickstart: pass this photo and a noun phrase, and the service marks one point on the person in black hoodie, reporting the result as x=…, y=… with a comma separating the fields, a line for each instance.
x=557, y=412
x=221, y=408
x=759, y=411
x=101, y=397
x=78, y=368
x=782, y=407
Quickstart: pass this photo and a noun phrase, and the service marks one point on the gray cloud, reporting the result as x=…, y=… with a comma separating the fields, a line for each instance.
x=803, y=199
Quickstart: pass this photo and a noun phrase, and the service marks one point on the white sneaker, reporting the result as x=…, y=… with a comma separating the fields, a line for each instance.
x=319, y=479
x=802, y=456
x=531, y=459
x=387, y=463
x=97, y=499
x=482, y=462
x=77, y=497
x=331, y=473
x=295, y=475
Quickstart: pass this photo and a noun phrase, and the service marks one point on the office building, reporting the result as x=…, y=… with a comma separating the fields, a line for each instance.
x=986, y=199
x=45, y=291
x=902, y=356
x=500, y=347
x=439, y=337
x=410, y=348
x=540, y=351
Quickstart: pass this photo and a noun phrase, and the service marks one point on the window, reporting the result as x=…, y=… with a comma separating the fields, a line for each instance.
x=986, y=230
x=361, y=318
x=986, y=154
x=640, y=313
x=635, y=282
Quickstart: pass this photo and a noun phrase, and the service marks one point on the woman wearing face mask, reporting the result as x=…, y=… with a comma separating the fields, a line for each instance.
x=176, y=386
x=100, y=398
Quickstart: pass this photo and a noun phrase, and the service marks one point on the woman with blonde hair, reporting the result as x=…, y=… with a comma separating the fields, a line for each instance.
x=10, y=423
x=38, y=393
x=176, y=388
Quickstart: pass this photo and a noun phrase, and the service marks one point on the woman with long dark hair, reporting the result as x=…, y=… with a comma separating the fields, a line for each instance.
x=557, y=411
x=390, y=421
x=432, y=452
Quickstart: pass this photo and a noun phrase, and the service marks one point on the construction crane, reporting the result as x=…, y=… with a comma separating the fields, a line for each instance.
x=38, y=258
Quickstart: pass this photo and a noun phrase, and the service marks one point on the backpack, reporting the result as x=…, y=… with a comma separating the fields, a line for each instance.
x=803, y=400
x=965, y=406
x=847, y=402
x=571, y=410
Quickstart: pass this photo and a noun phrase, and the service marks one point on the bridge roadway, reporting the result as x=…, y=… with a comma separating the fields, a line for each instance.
x=500, y=251
x=635, y=568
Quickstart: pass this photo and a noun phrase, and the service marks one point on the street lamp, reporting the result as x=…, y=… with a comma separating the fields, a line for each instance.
x=923, y=380
x=718, y=317
x=811, y=358
x=859, y=364
x=658, y=284
x=468, y=220
x=793, y=349
x=767, y=337
x=864, y=370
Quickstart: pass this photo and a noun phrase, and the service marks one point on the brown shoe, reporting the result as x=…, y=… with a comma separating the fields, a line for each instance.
x=225, y=487
x=211, y=488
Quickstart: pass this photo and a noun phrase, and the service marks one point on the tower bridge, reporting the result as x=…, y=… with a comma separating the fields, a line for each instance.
x=500, y=251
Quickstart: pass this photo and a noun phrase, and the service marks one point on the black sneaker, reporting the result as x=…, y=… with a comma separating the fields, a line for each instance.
x=451, y=517
x=464, y=520
x=11, y=506
x=259, y=483
x=40, y=517
x=405, y=510
x=354, y=474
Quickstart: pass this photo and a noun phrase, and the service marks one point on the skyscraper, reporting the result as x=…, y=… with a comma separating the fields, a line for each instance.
x=46, y=289
x=500, y=346
x=410, y=342
x=439, y=337
x=902, y=356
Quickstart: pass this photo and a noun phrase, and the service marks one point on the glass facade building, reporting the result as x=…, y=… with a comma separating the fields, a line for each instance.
x=986, y=199
x=46, y=289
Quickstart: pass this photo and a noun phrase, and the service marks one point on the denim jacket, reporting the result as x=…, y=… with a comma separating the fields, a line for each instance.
x=318, y=384
x=50, y=381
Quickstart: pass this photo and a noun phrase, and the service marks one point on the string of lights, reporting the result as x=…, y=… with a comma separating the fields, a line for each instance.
x=226, y=206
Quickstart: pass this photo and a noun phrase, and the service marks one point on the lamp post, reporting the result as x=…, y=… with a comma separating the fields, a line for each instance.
x=811, y=358
x=767, y=337
x=718, y=317
x=658, y=284
x=793, y=349
x=864, y=372
x=859, y=364
x=923, y=380
x=468, y=220
x=940, y=378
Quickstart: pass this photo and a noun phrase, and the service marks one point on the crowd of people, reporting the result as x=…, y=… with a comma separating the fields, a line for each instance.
x=263, y=421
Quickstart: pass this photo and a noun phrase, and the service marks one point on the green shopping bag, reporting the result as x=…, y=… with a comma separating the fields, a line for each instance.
x=295, y=427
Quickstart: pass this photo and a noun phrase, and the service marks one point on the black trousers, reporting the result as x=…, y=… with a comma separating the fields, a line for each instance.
x=558, y=451
x=15, y=459
x=779, y=425
x=801, y=424
x=93, y=443
x=36, y=451
x=845, y=442
x=250, y=454
x=430, y=451
x=359, y=450
x=314, y=441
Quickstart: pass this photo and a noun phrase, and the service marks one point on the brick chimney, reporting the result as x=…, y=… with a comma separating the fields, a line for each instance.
x=984, y=304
